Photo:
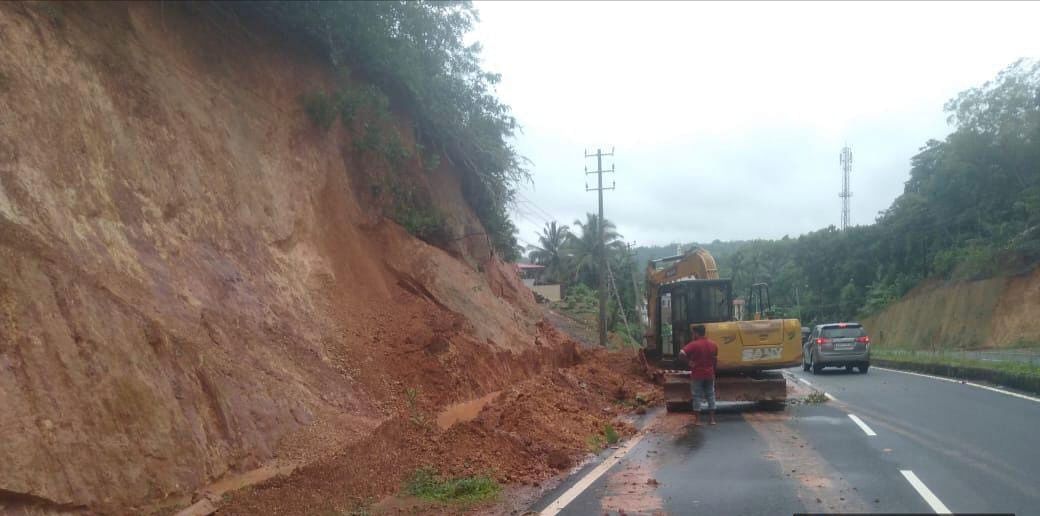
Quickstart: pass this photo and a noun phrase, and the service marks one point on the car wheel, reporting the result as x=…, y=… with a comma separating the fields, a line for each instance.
x=816, y=367
x=863, y=368
x=848, y=368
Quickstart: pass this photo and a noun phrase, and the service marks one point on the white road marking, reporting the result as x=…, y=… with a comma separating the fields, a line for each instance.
x=803, y=380
x=929, y=497
x=952, y=380
x=863, y=426
x=568, y=496
x=828, y=395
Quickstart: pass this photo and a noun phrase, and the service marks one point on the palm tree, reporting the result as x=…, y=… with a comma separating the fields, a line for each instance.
x=584, y=248
x=550, y=252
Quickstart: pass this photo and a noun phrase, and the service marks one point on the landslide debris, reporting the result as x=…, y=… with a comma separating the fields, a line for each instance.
x=197, y=283
x=532, y=431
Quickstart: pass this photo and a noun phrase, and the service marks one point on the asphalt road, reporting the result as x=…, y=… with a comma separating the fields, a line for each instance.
x=936, y=446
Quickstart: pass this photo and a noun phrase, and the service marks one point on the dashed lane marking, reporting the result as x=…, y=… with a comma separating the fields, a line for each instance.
x=929, y=497
x=863, y=426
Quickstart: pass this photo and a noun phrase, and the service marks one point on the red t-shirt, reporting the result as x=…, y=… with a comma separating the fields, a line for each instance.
x=701, y=354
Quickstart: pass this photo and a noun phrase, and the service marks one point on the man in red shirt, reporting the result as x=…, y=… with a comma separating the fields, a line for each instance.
x=702, y=355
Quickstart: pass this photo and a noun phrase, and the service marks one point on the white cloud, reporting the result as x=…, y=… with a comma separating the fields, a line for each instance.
x=728, y=117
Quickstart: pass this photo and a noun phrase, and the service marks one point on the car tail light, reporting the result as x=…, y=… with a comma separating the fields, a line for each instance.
x=823, y=341
x=864, y=339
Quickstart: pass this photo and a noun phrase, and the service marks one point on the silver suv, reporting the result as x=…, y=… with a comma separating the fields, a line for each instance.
x=837, y=345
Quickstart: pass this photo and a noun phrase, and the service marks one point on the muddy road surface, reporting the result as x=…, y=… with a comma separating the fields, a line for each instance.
x=884, y=442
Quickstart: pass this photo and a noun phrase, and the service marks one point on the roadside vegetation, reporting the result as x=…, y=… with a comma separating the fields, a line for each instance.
x=427, y=485
x=1018, y=375
x=598, y=441
x=970, y=210
x=413, y=61
x=570, y=259
x=581, y=306
x=815, y=397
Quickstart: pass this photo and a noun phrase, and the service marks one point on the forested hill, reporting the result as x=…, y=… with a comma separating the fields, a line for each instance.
x=970, y=210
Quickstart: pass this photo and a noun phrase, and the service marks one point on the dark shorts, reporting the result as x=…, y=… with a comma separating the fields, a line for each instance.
x=703, y=389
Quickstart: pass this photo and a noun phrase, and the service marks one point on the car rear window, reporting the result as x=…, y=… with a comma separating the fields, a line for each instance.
x=841, y=333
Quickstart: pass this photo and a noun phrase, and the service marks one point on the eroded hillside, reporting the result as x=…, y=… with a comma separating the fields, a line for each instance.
x=992, y=313
x=193, y=274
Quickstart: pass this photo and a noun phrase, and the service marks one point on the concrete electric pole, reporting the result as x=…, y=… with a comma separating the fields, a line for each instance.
x=602, y=248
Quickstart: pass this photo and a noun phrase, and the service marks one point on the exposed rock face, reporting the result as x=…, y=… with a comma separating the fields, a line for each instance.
x=992, y=313
x=191, y=272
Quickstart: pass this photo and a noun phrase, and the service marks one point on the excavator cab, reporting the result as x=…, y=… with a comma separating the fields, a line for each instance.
x=758, y=302
x=684, y=304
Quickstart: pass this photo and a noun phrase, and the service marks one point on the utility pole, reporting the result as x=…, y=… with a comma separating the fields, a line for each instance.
x=798, y=302
x=602, y=247
x=846, y=169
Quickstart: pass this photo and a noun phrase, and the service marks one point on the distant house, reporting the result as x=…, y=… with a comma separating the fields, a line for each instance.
x=531, y=275
x=529, y=272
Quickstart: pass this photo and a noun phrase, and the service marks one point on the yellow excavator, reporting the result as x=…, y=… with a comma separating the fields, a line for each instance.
x=685, y=290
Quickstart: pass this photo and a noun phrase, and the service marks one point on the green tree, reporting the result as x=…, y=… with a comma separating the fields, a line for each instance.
x=551, y=250
x=583, y=248
x=417, y=54
x=849, y=298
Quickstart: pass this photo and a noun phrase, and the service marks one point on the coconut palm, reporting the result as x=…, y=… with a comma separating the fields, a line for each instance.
x=583, y=248
x=551, y=250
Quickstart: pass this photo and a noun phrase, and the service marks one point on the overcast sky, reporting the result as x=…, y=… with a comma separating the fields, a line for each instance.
x=728, y=118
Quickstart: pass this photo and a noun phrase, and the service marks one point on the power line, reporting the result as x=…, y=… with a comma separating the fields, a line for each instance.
x=640, y=302
x=617, y=297
x=536, y=218
x=527, y=215
x=548, y=216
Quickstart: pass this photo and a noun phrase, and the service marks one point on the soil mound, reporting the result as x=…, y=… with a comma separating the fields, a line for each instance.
x=530, y=432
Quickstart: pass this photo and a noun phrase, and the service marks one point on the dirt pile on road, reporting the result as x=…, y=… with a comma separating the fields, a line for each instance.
x=530, y=432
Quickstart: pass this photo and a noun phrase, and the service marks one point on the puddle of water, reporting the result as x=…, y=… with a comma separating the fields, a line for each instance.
x=692, y=438
x=234, y=482
x=465, y=411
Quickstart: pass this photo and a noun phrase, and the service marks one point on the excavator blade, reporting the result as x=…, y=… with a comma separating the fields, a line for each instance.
x=677, y=394
x=767, y=387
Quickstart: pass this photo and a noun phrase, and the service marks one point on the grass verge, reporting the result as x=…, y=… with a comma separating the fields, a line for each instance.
x=816, y=397
x=1016, y=375
x=426, y=484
